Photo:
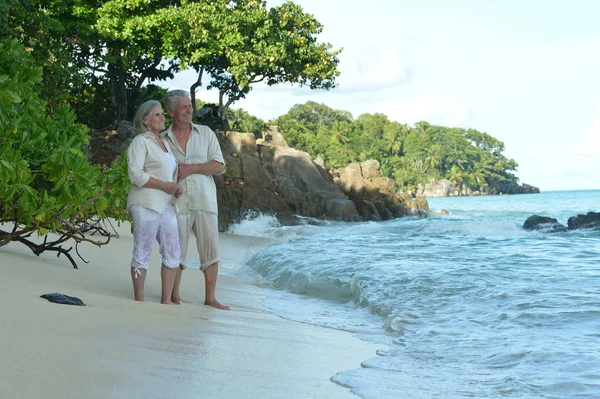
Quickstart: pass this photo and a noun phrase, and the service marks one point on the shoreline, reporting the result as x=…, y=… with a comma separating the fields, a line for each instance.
x=118, y=348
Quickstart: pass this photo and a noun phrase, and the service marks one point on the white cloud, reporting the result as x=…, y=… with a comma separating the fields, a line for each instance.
x=371, y=69
x=434, y=108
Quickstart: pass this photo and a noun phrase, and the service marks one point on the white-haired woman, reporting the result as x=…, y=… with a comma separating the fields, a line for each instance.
x=153, y=174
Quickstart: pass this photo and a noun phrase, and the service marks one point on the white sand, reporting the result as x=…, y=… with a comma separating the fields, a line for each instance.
x=118, y=348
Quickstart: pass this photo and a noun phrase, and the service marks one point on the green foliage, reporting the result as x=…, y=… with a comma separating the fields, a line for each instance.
x=47, y=181
x=243, y=42
x=409, y=155
x=242, y=121
x=98, y=54
x=58, y=39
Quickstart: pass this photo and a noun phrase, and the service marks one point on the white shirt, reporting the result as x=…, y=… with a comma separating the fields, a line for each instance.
x=146, y=159
x=199, y=191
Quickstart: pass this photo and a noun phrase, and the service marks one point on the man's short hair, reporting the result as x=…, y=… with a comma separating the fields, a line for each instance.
x=172, y=96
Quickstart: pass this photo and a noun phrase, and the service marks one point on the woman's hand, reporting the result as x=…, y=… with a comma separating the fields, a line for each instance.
x=172, y=188
x=178, y=192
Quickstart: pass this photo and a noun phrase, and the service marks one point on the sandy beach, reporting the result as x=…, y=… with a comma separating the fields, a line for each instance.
x=118, y=348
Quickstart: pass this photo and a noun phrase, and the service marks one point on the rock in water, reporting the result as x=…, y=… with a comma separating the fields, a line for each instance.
x=547, y=224
x=63, y=299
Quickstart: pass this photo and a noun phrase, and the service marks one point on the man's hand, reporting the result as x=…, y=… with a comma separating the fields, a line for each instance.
x=184, y=170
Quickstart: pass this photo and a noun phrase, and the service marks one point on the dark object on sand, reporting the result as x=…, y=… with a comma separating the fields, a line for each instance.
x=64, y=299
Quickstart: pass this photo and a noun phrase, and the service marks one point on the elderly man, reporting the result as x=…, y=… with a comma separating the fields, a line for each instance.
x=199, y=157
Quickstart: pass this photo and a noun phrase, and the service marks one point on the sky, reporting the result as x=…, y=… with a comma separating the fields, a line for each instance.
x=526, y=72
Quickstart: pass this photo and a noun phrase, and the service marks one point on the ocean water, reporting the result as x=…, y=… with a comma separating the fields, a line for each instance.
x=465, y=305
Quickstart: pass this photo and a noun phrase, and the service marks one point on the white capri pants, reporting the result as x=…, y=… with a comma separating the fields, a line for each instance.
x=149, y=225
x=205, y=226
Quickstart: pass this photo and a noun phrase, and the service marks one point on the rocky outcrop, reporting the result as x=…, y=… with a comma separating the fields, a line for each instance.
x=276, y=180
x=589, y=221
x=516, y=189
x=375, y=196
x=547, y=224
x=444, y=188
x=439, y=188
x=272, y=136
x=286, y=182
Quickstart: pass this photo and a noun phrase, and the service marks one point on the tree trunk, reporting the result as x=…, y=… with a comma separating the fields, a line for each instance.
x=223, y=111
x=193, y=88
x=119, y=100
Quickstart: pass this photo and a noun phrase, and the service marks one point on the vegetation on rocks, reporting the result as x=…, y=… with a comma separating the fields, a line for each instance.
x=410, y=155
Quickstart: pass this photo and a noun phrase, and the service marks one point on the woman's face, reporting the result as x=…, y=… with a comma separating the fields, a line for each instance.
x=155, y=121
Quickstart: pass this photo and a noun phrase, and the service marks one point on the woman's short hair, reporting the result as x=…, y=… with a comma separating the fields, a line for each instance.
x=142, y=112
x=171, y=98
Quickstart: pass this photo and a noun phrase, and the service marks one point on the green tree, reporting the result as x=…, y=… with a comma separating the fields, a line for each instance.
x=435, y=157
x=242, y=121
x=47, y=181
x=58, y=36
x=241, y=43
x=455, y=175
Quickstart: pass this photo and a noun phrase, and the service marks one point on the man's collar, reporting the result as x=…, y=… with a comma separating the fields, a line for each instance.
x=169, y=131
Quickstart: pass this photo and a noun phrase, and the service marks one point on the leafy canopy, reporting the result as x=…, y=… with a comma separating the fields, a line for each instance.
x=47, y=181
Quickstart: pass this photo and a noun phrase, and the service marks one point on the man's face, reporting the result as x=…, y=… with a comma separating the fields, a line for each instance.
x=182, y=111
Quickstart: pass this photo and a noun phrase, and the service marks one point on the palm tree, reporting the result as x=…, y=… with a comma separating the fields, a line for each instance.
x=434, y=157
x=455, y=175
x=394, y=141
x=339, y=131
x=419, y=165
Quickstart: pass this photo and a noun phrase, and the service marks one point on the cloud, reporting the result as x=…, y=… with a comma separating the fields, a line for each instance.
x=372, y=69
x=434, y=108
x=362, y=71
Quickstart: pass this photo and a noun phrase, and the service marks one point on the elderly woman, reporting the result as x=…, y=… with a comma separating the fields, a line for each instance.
x=153, y=174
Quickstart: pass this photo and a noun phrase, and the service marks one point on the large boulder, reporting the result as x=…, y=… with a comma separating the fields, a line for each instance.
x=589, y=221
x=125, y=130
x=375, y=195
x=236, y=142
x=272, y=136
x=439, y=188
x=547, y=224
x=277, y=180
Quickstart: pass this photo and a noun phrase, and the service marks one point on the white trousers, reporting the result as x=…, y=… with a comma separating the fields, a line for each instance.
x=149, y=225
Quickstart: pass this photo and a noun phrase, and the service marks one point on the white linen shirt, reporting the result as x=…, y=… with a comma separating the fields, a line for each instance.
x=146, y=159
x=199, y=190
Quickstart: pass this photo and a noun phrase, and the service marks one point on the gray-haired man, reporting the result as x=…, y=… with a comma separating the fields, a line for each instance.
x=199, y=157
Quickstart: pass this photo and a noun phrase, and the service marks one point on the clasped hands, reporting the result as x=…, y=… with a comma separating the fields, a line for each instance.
x=174, y=189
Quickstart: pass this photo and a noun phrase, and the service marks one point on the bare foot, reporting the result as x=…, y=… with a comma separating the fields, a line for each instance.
x=167, y=302
x=217, y=304
x=176, y=300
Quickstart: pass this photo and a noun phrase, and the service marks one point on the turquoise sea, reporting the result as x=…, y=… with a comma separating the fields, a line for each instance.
x=465, y=305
